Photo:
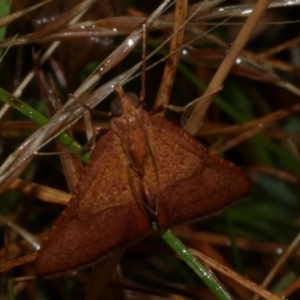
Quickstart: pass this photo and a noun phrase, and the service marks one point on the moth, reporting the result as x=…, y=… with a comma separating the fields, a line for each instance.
x=143, y=169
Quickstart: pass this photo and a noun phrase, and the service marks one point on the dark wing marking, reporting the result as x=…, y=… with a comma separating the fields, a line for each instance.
x=102, y=214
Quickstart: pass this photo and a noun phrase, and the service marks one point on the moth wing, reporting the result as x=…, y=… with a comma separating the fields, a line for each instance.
x=192, y=183
x=102, y=214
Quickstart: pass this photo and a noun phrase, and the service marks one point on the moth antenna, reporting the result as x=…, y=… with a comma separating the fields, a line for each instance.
x=156, y=175
x=136, y=195
x=130, y=166
x=100, y=113
x=126, y=147
x=143, y=74
x=153, y=158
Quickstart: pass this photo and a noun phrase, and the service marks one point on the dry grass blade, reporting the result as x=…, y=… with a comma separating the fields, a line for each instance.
x=186, y=233
x=17, y=262
x=41, y=192
x=286, y=254
x=294, y=287
x=63, y=19
x=279, y=174
x=164, y=92
x=12, y=17
x=19, y=90
x=193, y=123
x=228, y=272
x=25, y=234
x=254, y=122
x=70, y=112
x=71, y=163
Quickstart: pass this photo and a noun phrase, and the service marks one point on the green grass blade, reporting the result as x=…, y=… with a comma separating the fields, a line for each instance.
x=40, y=119
x=188, y=257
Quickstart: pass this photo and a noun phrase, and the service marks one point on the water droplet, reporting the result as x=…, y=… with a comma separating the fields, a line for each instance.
x=130, y=42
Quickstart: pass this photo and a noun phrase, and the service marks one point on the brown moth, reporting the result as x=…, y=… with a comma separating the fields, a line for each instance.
x=144, y=168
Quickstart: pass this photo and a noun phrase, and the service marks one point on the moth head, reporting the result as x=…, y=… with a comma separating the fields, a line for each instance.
x=125, y=103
